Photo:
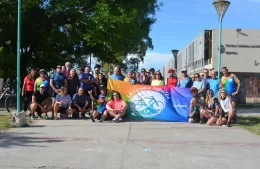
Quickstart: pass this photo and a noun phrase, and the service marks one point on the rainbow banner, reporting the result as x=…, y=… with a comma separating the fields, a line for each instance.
x=162, y=103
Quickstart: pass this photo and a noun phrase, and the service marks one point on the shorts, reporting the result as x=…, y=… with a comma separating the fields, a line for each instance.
x=54, y=94
x=39, y=111
x=63, y=110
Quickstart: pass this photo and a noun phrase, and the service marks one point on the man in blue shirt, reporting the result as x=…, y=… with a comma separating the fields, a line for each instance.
x=206, y=78
x=117, y=74
x=214, y=83
x=184, y=81
x=87, y=80
x=58, y=79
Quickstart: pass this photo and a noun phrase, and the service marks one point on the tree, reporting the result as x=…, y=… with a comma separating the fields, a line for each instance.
x=55, y=31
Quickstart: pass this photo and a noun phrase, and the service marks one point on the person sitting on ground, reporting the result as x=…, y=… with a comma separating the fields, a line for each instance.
x=158, y=81
x=116, y=107
x=130, y=78
x=62, y=105
x=80, y=103
x=40, y=103
x=99, y=108
x=226, y=109
x=211, y=110
x=196, y=106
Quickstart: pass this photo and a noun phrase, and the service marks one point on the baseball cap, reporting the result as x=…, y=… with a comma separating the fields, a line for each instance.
x=42, y=71
x=193, y=89
x=101, y=96
x=183, y=70
x=171, y=69
x=143, y=70
x=42, y=85
x=102, y=86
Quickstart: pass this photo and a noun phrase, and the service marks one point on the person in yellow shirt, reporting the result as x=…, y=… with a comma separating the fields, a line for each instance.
x=130, y=78
x=158, y=81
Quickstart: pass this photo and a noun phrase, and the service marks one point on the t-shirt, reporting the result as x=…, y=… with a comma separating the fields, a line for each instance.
x=43, y=81
x=127, y=79
x=28, y=84
x=157, y=83
x=116, y=77
x=117, y=105
x=85, y=76
x=229, y=83
x=100, y=106
x=225, y=104
x=65, y=100
x=184, y=82
x=199, y=85
x=58, y=79
x=214, y=85
x=40, y=97
x=80, y=100
x=172, y=81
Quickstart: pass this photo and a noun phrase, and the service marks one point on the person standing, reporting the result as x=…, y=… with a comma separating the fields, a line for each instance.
x=214, y=83
x=158, y=81
x=117, y=74
x=206, y=78
x=172, y=80
x=87, y=80
x=28, y=88
x=67, y=69
x=130, y=78
x=231, y=84
x=73, y=83
x=184, y=81
x=199, y=84
x=43, y=79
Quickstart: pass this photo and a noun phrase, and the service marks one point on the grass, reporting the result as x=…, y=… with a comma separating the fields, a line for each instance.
x=4, y=122
x=250, y=123
x=247, y=106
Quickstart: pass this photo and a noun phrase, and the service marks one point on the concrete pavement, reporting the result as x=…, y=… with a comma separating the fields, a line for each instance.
x=81, y=144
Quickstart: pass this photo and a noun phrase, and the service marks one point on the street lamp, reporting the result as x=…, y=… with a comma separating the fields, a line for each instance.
x=175, y=53
x=18, y=60
x=221, y=7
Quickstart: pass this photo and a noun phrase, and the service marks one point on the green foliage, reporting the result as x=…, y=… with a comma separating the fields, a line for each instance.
x=55, y=31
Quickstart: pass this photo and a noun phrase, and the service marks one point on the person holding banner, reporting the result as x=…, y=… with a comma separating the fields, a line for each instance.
x=116, y=107
x=196, y=106
x=158, y=81
x=130, y=78
x=172, y=80
x=184, y=81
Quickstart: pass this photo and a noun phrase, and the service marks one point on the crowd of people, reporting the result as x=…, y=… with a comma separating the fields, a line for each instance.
x=75, y=92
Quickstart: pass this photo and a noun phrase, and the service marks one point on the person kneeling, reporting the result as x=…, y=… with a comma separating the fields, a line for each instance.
x=99, y=107
x=196, y=106
x=62, y=106
x=80, y=103
x=116, y=107
x=40, y=103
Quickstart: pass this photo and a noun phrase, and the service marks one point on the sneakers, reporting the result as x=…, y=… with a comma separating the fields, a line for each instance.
x=116, y=120
x=102, y=118
x=229, y=124
x=92, y=117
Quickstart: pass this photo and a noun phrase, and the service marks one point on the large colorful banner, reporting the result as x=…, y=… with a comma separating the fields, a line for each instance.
x=162, y=103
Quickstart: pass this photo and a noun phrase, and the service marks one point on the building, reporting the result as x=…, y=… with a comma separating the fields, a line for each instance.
x=240, y=53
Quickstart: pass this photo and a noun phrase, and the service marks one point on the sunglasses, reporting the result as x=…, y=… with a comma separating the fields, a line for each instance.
x=223, y=92
x=115, y=95
x=58, y=67
x=42, y=87
x=196, y=76
x=210, y=92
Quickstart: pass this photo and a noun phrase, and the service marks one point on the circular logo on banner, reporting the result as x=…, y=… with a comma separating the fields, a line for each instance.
x=148, y=103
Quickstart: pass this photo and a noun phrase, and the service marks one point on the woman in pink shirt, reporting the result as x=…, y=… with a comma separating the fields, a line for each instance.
x=28, y=88
x=116, y=107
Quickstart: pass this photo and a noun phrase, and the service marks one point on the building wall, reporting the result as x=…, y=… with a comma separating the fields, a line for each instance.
x=242, y=50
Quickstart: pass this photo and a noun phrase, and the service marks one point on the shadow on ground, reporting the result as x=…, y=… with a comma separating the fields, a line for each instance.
x=13, y=139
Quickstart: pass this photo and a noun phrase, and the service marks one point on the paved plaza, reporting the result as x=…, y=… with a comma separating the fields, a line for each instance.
x=81, y=144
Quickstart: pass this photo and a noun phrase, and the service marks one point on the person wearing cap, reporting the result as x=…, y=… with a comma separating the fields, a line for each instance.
x=184, y=81
x=40, y=103
x=117, y=74
x=99, y=107
x=172, y=80
x=80, y=103
x=42, y=79
x=58, y=79
x=130, y=78
x=144, y=78
x=116, y=107
x=196, y=106
x=28, y=88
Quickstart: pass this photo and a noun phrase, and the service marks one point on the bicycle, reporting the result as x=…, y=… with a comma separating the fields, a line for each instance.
x=141, y=104
x=9, y=95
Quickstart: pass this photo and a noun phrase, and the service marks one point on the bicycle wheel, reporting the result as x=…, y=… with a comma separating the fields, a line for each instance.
x=158, y=105
x=10, y=103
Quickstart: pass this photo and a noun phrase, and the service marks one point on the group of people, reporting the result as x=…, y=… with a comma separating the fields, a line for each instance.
x=75, y=92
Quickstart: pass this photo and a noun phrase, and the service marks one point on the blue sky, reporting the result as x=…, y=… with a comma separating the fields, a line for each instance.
x=179, y=21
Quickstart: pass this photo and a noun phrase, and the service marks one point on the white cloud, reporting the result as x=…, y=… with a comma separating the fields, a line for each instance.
x=155, y=60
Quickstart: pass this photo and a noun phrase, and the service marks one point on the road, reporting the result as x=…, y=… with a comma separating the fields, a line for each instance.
x=81, y=144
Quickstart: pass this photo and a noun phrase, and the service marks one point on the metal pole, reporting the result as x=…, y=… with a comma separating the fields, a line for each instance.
x=219, y=47
x=18, y=60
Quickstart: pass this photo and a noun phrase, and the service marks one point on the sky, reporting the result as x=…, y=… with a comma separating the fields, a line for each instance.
x=180, y=21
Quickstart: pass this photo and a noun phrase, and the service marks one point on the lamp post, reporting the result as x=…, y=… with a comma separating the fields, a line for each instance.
x=18, y=60
x=175, y=53
x=221, y=7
